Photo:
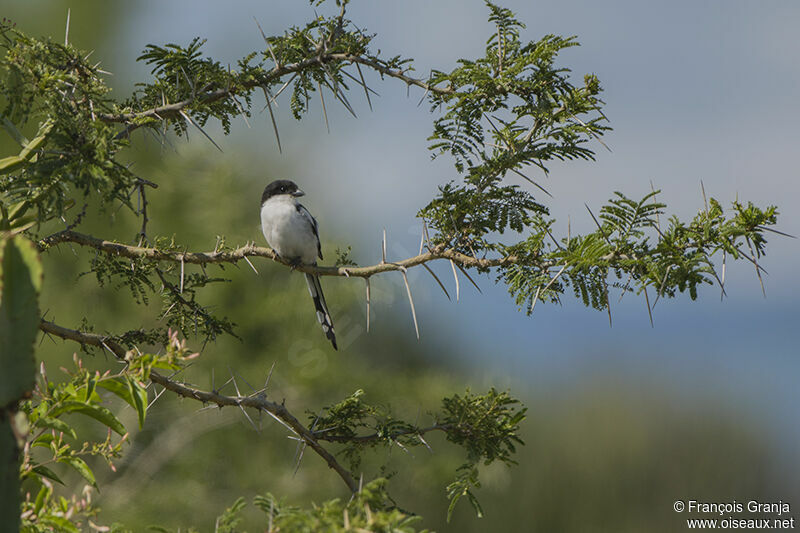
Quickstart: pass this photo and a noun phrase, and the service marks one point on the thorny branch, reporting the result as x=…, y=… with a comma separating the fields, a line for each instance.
x=257, y=401
x=374, y=437
x=249, y=250
x=209, y=95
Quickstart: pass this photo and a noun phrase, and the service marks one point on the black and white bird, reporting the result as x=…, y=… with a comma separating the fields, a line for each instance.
x=293, y=233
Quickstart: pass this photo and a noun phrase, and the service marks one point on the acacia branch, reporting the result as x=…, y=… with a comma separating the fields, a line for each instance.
x=135, y=120
x=375, y=437
x=259, y=402
x=238, y=254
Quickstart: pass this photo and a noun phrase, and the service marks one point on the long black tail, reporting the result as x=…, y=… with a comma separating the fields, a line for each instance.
x=324, y=317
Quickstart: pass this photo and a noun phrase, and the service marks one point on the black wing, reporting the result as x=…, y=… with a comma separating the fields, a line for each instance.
x=314, y=226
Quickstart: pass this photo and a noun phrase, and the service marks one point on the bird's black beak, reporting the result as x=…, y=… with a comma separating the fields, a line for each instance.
x=298, y=193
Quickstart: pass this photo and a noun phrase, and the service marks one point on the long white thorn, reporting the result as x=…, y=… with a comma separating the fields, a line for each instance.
x=411, y=301
x=367, y=280
x=535, y=299
x=66, y=32
x=441, y=285
x=182, y=273
x=455, y=276
x=324, y=110
x=251, y=265
x=269, y=376
x=364, y=84
x=649, y=308
x=272, y=117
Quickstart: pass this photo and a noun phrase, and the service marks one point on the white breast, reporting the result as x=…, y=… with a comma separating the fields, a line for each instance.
x=287, y=231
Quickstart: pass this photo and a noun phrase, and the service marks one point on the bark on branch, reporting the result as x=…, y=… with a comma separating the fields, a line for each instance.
x=238, y=254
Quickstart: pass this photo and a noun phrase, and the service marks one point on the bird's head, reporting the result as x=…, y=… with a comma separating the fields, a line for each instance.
x=281, y=187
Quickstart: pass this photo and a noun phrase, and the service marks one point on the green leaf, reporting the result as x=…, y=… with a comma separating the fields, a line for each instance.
x=474, y=501
x=46, y=472
x=80, y=465
x=119, y=387
x=452, y=506
x=90, y=385
x=12, y=163
x=61, y=524
x=14, y=132
x=139, y=395
x=20, y=282
x=42, y=497
x=99, y=413
x=130, y=391
x=58, y=425
x=44, y=440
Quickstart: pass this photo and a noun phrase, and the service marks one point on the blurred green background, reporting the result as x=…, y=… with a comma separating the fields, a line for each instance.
x=622, y=421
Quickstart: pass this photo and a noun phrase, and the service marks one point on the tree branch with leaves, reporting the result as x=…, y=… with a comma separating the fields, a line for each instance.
x=507, y=114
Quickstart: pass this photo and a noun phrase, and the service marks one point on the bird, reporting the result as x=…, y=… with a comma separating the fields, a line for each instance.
x=293, y=233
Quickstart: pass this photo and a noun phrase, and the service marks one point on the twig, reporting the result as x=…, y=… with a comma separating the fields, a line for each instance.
x=278, y=411
x=324, y=435
x=233, y=256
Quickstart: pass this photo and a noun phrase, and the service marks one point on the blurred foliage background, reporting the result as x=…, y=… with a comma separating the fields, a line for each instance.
x=603, y=452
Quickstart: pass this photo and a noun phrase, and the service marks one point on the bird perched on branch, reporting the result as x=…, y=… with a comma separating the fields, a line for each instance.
x=293, y=233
